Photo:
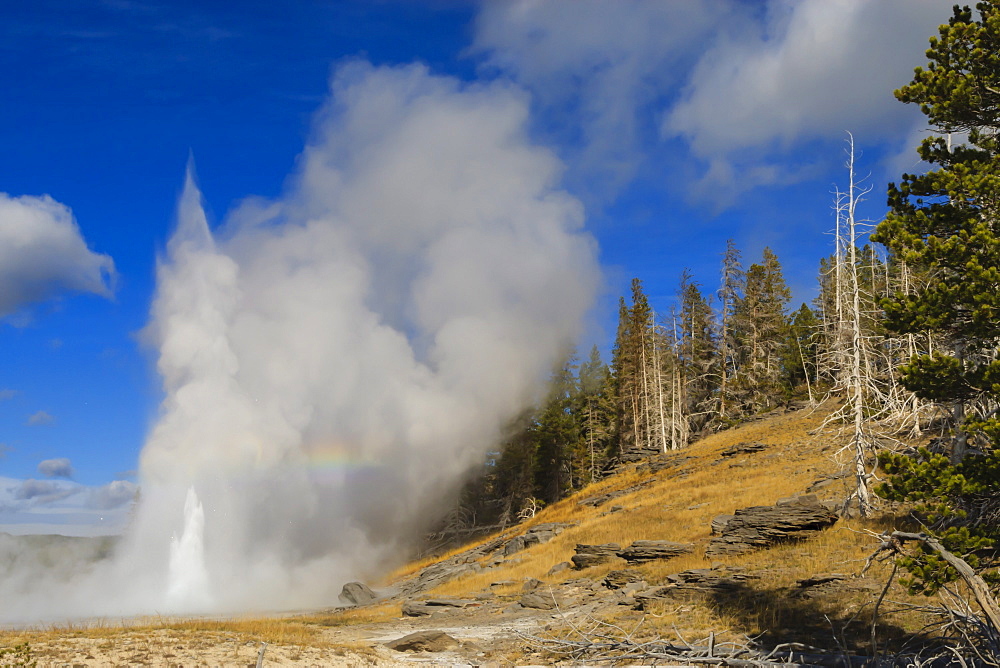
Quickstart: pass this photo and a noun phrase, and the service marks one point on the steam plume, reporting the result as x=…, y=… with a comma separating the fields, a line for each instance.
x=337, y=360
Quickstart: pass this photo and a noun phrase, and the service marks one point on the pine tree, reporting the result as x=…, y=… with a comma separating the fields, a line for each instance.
x=801, y=355
x=944, y=225
x=556, y=433
x=596, y=411
x=697, y=354
x=730, y=294
x=760, y=329
x=514, y=478
x=636, y=378
x=621, y=384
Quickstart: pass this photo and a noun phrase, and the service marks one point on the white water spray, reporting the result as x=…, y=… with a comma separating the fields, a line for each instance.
x=187, y=586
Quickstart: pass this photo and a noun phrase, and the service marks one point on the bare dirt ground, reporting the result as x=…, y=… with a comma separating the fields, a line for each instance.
x=483, y=639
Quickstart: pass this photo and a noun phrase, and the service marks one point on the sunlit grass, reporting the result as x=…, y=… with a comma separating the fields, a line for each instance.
x=677, y=503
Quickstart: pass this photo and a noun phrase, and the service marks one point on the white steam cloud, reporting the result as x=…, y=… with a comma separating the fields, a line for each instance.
x=336, y=361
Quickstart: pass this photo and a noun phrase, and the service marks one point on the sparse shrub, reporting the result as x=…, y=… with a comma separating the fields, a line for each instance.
x=18, y=655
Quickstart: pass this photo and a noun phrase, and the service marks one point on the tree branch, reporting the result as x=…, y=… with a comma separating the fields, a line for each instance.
x=893, y=542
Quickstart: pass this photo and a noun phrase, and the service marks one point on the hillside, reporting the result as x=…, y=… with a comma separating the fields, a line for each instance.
x=500, y=602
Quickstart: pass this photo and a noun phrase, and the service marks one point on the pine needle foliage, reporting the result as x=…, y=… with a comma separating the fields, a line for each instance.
x=945, y=224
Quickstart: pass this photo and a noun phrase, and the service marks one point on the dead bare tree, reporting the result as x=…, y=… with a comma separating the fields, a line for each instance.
x=860, y=358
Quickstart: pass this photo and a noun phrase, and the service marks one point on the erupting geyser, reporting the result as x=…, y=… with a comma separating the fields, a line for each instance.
x=335, y=362
x=187, y=586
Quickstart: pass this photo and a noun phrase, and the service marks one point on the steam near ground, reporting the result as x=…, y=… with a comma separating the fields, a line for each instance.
x=337, y=361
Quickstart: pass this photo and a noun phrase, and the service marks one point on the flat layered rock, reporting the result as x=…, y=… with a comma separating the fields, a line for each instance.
x=620, y=578
x=825, y=584
x=742, y=449
x=541, y=533
x=451, y=602
x=433, y=605
x=647, y=550
x=762, y=526
x=424, y=641
x=719, y=523
x=415, y=609
x=592, y=555
x=538, y=601
x=709, y=579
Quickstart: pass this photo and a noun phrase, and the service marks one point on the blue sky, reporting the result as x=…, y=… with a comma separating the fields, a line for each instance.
x=678, y=125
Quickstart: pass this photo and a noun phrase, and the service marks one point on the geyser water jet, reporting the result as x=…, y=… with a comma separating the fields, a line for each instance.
x=187, y=585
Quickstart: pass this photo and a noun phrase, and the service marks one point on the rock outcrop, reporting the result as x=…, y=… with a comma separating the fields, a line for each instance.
x=432, y=605
x=648, y=550
x=719, y=523
x=742, y=449
x=591, y=555
x=541, y=533
x=620, y=578
x=762, y=526
x=539, y=600
x=424, y=641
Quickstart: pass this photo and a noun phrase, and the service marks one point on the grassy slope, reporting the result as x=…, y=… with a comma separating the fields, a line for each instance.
x=676, y=503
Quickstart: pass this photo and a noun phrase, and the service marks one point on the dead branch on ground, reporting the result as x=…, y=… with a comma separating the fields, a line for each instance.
x=975, y=636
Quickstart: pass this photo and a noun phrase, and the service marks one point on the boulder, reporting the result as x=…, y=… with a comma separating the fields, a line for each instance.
x=620, y=578
x=531, y=584
x=560, y=567
x=763, y=526
x=357, y=593
x=538, y=601
x=540, y=533
x=415, y=609
x=591, y=555
x=424, y=641
x=647, y=550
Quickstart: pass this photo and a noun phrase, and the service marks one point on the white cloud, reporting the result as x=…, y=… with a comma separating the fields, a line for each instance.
x=744, y=87
x=56, y=468
x=63, y=506
x=39, y=418
x=43, y=254
x=115, y=494
x=595, y=67
x=7, y=394
x=42, y=491
x=815, y=68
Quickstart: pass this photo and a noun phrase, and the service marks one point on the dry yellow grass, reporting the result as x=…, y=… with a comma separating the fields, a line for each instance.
x=272, y=630
x=679, y=502
x=676, y=503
